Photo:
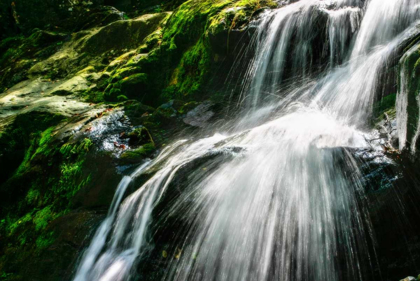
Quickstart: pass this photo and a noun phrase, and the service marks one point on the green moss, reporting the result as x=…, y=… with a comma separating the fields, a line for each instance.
x=140, y=136
x=181, y=60
x=147, y=149
x=69, y=150
x=70, y=179
x=42, y=187
x=177, y=50
x=13, y=226
x=18, y=140
x=238, y=14
x=42, y=218
x=191, y=73
x=6, y=276
x=256, y=4
x=138, y=154
x=189, y=23
x=152, y=41
x=45, y=240
x=133, y=86
x=121, y=73
x=122, y=98
x=43, y=145
x=135, y=110
x=33, y=196
x=94, y=96
x=385, y=105
x=11, y=41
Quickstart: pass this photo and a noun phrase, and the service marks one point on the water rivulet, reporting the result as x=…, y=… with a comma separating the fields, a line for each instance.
x=278, y=194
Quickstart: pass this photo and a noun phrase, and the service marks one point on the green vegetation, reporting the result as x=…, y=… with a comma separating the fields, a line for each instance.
x=180, y=59
x=385, y=105
x=40, y=184
x=133, y=156
x=185, y=42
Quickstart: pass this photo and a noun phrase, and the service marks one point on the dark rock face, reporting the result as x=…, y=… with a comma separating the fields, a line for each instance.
x=122, y=5
x=390, y=202
x=393, y=212
x=129, y=5
x=99, y=16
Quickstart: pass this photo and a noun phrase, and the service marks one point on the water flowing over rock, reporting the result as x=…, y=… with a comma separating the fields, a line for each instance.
x=279, y=194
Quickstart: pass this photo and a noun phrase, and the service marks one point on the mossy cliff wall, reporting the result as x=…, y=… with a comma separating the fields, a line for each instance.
x=185, y=56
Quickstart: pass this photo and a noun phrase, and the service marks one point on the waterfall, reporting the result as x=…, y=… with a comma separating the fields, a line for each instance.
x=277, y=195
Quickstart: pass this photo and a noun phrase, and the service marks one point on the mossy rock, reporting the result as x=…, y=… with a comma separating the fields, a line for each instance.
x=121, y=73
x=188, y=58
x=384, y=105
x=15, y=47
x=140, y=136
x=52, y=177
x=134, y=87
x=169, y=109
x=16, y=139
x=51, y=254
x=151, y=41
x=19, y=54
x=136, y=155
x=135, y=109
x=125, y=34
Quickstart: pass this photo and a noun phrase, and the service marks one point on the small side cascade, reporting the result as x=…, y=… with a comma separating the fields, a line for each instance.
x=408, y=103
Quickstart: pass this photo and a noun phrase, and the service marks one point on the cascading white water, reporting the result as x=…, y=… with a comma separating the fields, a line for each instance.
x=287, y=204
x=393, y=18
x=342, y=24
x=273, y=46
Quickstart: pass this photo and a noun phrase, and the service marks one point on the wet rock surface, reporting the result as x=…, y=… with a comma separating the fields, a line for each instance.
x=199, y=116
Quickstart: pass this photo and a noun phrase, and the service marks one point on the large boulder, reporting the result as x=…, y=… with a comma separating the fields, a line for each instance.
x=123, y=34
